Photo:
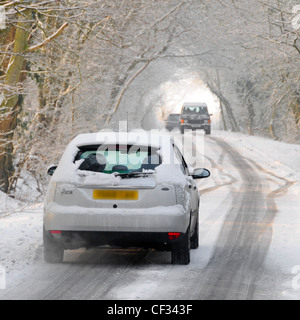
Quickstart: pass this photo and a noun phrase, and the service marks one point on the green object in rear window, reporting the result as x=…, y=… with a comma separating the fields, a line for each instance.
x=120, y=159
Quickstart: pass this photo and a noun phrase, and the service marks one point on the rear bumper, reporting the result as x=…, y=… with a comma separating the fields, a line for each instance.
x=155, y=219
x=170, y=126
x=80, y=239
x=195, y=126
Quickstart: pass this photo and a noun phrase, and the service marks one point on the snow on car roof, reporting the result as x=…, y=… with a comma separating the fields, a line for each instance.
x=67, y=169
x=194, y=104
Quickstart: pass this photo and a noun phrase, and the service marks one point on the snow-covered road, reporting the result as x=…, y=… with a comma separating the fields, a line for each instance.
x=249, y=239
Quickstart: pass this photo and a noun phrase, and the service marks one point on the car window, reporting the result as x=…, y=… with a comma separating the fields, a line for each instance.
x=195, y=110
x=173, y=117
x=118, y=158
x=181, y=160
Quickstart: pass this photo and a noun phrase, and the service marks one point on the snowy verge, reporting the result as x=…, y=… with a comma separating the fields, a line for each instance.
x=8, y=205
x=280, y=162
x=21, y=235
x=281, y=157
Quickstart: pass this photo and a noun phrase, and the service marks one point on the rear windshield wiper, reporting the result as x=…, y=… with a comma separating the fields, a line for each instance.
x=134, y=174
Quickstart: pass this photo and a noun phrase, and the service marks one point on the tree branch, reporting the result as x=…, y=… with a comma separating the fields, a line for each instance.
x=56, y=34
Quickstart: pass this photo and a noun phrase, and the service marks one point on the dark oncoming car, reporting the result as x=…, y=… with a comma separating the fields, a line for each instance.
x=194, y=116
x=173, y=121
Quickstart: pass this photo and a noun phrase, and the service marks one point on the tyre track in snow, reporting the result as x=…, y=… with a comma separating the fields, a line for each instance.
x=106, y=268
x=239, y=253
x=84, y=275
x=227, y=179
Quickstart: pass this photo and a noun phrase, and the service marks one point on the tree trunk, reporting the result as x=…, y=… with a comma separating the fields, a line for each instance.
x=250, y=121
x=295, y=104
x=11, y=103
x=227, y=106
x=223, y=116
x=271, y=125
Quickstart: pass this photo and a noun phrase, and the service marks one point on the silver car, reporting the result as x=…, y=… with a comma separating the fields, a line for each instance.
x=122, y=189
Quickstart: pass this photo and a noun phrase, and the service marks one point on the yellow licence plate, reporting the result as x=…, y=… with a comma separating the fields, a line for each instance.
x=115, y=194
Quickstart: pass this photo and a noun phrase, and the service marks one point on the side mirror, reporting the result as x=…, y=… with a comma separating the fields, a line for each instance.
x=200, y=173
x=51, y=170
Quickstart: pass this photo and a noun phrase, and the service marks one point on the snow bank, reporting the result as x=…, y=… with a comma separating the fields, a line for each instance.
x=281, y=157
x=21, y=235
x=7, y=204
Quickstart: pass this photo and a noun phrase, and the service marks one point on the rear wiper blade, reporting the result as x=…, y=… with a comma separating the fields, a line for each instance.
x=134, y=174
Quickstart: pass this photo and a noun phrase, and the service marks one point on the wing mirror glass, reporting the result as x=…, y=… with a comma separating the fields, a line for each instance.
x=200, y=173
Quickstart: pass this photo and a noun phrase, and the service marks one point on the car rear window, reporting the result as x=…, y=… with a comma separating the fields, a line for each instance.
x=173, y=117
x=118, y=158
x=193, y=110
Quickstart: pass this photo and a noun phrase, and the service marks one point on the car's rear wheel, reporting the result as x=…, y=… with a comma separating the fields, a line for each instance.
x=208, y=130
x=53, y=251
x=180, y=251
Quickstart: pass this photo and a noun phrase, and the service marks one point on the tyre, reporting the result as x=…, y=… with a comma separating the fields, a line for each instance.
x=195, y=237
x=53, y=251
x=180, y=251
x=208, y=130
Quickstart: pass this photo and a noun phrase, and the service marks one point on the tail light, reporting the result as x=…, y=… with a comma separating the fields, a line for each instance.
x=173, y=235
x=182, y=121
x=56, y=234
